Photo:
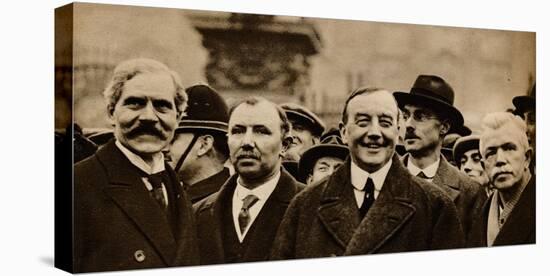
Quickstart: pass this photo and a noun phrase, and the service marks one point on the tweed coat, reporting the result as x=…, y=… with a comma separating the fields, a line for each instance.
x=209, y=219
x=467, y=195
x=520, y=226
x=409, y=214
x=118, y=225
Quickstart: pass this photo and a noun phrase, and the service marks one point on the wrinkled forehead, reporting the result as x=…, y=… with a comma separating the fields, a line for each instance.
x=151, y=84
x=261, y=113
x=374, y=104
x=495, y=138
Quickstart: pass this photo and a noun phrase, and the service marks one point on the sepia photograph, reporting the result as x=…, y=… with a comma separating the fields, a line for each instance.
x=187, y=137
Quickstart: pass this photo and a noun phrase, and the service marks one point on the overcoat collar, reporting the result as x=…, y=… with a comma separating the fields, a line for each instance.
x=277, y=202
x=393, y=208
x=128, y=191
x=446, y=177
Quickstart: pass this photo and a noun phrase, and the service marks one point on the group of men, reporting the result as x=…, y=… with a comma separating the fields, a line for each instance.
x=188, y=180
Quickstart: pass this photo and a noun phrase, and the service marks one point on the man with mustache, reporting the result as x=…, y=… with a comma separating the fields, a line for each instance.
x=469, y=161
x=238, y=223
x=429, y=115
x=371, y=204
x=508, y=217
x=130, y=211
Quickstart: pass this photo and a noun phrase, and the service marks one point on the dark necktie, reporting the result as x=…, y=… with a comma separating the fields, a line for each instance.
x=156, y=181
x=368, y=200
x=422, y=175
x=244, y=215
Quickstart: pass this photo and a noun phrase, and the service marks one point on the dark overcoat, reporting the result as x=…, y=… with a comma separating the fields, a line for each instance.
x=209, y=219
x=118, y=225
x=520, y=226
x=409, y=214
x=467, y=195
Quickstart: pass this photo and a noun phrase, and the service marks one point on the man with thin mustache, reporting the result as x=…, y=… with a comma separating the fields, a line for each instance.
x=371, y=204
x=429, y=115
x=508, y=217
x=238, y=223
x=130, y=211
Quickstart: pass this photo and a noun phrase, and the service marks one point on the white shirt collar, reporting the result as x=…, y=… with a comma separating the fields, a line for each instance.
x=262, y=192
x=429, y=171
x=359, y=176
x=136, y=160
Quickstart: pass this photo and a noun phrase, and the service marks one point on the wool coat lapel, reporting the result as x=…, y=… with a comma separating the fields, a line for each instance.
x=390, y=211
x=519, y=228
x=338, y=211
x=447, y=178
x=128, y=191
x=269, y=218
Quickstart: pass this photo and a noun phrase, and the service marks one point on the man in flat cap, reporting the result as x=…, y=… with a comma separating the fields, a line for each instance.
x=371, y=204
x=306, y=129
x=469, y=161
x=323, y=159
x=508, y=217
x=238, y=223
x=199, y=149
x=130, y=210
x=526, y=107
x=429, y=116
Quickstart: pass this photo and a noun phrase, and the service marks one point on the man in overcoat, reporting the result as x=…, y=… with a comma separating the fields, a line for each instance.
x=429, y=115
x=239, y=222
x=371, y=204
x=129, y=210
x=508, y=217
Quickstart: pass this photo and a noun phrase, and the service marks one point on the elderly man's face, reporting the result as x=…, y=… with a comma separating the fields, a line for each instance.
x=506, y=160
x=422, y=129
x=302, y=140
x=255, y=140
x=472, y=165
x=371, y=130
x=145, y=116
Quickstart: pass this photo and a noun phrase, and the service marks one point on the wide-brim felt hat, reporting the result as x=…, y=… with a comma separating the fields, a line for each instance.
x=464, y=144
x=206, y=110
x=435, y=93
x=301, y=114
x=331, y=146
x=526, y=102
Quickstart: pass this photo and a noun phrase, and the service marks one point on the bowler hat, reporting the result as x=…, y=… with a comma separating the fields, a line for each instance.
x=206, y=110
x=464, y=144
x=331, y=145
x=435, y=93
x=525, y=103
x=303, y=115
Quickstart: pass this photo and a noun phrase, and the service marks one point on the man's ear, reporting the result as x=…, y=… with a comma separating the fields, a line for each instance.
x=206, y=143
x=445, y=127
x=343, y=132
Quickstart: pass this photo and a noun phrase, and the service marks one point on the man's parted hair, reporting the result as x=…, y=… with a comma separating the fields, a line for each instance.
x=252, y=101
x=128, y=69
x=361, y=91
x=497, y=120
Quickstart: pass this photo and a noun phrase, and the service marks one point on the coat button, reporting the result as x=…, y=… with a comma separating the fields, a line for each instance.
x=139, y=255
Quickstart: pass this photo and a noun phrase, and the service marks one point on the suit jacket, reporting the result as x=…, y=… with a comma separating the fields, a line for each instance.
x=209, y=219
x=467, y=195
x=207, y=186
x=520, y=226
x=118, y=225
x=409, y=214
